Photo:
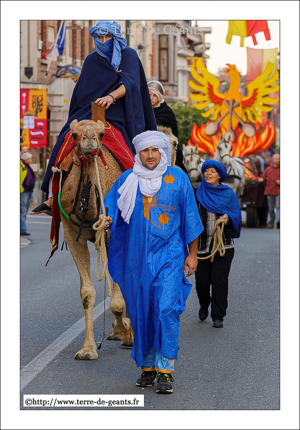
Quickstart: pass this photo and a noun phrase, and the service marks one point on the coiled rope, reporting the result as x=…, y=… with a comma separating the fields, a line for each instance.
x=218, y=241
x=100, y=242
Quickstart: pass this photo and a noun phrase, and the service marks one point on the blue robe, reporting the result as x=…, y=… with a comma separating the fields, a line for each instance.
x=146, y=258
x=131, y=114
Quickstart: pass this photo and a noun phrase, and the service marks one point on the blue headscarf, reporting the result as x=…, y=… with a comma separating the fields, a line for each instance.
x=111, y=50
x=219, y=167
x=220, y=199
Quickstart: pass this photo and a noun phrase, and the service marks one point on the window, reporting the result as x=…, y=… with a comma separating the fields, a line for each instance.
x=51, y=32
x=175, y=57
x=182, y=84
x=163, y=58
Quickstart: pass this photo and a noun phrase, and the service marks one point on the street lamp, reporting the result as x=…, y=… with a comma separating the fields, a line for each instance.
x=191, y=45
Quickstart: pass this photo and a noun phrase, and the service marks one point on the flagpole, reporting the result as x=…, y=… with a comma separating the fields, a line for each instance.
x=55, y=43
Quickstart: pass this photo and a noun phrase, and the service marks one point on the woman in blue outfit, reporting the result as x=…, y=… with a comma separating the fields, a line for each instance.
x=215, y=200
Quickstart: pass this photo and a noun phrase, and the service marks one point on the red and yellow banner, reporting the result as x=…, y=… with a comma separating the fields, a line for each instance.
x=246, y=29
x=33, y=118
x=257, y=61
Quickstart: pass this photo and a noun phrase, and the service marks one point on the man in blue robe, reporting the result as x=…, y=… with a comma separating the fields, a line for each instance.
x=112, y=76
x=155, y=226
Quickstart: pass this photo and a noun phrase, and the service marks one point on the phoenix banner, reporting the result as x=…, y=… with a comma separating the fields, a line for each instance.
x=33, y=118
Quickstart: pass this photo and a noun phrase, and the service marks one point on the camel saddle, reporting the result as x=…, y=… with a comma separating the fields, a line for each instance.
x=112, y=140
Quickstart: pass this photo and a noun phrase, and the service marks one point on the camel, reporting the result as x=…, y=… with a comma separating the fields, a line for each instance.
x=88, y=134
x=173, y=140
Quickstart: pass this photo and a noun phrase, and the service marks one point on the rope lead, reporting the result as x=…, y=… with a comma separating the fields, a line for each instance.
x=218, y=241
x=100, y=242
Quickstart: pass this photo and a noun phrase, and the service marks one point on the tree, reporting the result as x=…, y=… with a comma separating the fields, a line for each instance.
x=186, y=116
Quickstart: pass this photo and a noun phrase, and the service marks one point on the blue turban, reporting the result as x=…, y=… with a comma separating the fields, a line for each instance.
x=110, y=49
x=219, y=167
x=220, y=199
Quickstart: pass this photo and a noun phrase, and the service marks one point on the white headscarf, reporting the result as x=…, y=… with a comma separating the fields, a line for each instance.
x=148, y=180
x=157, y=88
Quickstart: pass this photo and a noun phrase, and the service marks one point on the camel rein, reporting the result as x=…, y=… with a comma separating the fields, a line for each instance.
x=218, y=241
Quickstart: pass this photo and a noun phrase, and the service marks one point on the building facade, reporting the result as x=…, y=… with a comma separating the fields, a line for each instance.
x=175, y=43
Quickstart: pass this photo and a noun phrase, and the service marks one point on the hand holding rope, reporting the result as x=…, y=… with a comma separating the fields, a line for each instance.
x=218, y=240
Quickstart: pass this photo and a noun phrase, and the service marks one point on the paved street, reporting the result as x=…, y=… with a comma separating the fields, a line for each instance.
x=234, y=368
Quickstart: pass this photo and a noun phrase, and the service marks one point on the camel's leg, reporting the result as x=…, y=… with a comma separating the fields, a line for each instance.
x=122, y=326
x=128, y=335
x=81, y=256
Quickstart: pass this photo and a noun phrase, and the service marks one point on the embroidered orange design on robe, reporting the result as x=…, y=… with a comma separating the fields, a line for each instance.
x=150, y=202
x=169, y=179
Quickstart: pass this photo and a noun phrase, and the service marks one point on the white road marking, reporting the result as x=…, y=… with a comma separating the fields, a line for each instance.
x=32, y=369
x=40, y=216
x=37, y=222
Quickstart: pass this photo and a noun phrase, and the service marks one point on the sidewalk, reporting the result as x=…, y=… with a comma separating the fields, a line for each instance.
x=23, y=240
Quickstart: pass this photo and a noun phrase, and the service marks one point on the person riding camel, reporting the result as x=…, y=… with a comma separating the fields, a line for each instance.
x=111, y=76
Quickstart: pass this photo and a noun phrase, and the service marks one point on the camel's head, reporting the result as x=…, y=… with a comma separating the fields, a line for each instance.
x=173, y=140
x=89, y=134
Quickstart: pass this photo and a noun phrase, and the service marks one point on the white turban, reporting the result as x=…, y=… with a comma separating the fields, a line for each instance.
x=148, y=180
x=157, y=139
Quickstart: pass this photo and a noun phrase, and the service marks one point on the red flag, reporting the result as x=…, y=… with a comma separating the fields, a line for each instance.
x=254, y=27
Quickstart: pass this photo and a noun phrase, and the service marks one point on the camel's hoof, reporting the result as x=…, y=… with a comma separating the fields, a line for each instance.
x=126, y=342
x=112, y=336
x=84, y=354
x=128, y=338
